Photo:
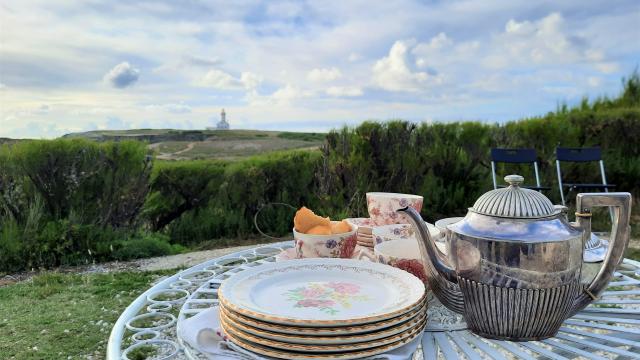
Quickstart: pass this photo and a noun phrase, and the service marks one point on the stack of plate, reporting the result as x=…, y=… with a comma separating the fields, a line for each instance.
x=364, y=233
x=322, y=309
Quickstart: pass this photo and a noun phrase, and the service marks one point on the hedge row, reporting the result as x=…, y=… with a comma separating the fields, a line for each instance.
x=200, y=200
x=73, y=201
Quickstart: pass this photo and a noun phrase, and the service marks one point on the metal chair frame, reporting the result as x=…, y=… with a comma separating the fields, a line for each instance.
x=516, y=156
x=577, y=155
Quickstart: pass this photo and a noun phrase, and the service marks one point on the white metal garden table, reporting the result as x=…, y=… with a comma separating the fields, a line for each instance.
x=607, y=329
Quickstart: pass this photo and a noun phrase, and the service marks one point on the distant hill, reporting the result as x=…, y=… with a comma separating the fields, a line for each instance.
x=172, y=144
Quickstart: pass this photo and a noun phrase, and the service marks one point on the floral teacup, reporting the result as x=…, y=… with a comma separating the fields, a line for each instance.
x=333, y=246
x=383, y=207
x=403, y=254
x=400, y=231
x=392, y=232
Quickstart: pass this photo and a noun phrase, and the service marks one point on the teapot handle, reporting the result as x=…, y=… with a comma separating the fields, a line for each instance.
x=621, y=204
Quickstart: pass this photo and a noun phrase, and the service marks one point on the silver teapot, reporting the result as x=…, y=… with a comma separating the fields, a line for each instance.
x=514, y=262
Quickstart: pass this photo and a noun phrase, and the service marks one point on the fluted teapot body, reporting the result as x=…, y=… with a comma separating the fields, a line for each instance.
x=514, y=261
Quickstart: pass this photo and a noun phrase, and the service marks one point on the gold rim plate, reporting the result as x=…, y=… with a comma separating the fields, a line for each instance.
x=300, y=355
x=316, y=348
x=237, y=292
x=325, y=331
x=327, y=340
x=289, y=323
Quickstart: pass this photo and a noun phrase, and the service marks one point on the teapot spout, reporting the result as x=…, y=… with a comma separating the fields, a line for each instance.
x=427, y=245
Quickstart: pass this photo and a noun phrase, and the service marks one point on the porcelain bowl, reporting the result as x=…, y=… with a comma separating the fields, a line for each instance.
x=327, y=246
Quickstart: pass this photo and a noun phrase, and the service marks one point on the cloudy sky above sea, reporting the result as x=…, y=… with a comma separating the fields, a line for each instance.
x=69, y=66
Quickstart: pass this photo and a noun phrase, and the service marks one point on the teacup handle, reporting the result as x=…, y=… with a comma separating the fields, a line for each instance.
x=366, y=255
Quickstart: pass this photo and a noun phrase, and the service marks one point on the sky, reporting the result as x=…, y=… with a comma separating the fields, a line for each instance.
x=68, y=66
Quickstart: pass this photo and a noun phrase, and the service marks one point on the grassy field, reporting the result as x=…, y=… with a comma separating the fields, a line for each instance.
x=171, y=144
x=66, y=316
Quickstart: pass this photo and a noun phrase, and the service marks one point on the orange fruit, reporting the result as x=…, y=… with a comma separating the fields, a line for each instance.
x=340, y=227
x=320, y=230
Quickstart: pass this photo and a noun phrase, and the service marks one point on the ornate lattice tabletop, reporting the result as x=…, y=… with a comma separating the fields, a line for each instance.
x=609, y=328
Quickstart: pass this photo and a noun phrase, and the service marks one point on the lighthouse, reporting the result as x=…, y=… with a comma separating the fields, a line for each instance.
x=222, y=124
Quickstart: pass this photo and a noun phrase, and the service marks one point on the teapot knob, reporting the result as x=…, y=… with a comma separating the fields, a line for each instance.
x=514, y=180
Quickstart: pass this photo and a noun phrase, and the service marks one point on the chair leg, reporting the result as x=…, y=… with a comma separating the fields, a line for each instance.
x=604, y=182
x=560, y=183
x=493, y=174
x=535, y=169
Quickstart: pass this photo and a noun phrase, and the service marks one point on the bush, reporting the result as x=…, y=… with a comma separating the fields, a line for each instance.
x=68, y=201
x=144, y=246
x=200, y=200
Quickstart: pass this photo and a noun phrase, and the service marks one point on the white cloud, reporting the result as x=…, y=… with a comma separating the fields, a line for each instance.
x=174, y=108
x=122, y=75
x=195, y=60
x=594, y=81
x=344, y=91
x=250, y=81
x=219, y=79
x=393, y=73
x=607, y=67
x=544, y=41
x=324, y=75
x=289, y=92
x=499, y=61
x=42, y=109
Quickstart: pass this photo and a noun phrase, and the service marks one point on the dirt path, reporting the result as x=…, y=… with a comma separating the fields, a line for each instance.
x=188, y=148
x=174, y=155
x=150, y=264
x=185, y=260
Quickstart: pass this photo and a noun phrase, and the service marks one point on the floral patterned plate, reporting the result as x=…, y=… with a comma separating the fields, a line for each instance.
x=321, y=292
x=298, y=355
x=404, y=327
x=323, y=332
x=318, y=347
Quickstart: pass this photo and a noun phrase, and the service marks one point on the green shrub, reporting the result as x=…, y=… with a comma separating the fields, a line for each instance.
x=10, y=246
x=301, y=136
x=68, y=201
x=202, y=200
x=144, y=246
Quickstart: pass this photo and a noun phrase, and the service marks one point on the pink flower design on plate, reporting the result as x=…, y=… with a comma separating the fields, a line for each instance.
x=312, y=292
x=344, y=288
x=315, y=303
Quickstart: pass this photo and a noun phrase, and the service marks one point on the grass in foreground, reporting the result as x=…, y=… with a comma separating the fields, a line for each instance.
x=66, y=316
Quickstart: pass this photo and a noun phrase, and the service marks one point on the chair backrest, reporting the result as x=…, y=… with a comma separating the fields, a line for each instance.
x=514, y=156
x=517, y=156
x=590, y=154
x=579, y=154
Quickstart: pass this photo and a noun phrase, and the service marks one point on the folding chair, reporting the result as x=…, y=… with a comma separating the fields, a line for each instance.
x=579, y=155
x=516, y=156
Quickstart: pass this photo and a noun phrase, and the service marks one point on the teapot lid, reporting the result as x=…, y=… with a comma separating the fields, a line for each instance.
x=514, y=201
